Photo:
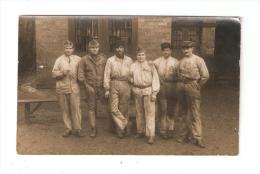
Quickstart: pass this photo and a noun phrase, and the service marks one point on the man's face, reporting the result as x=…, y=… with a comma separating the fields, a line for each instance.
x=94, y=50
x=120, y=51
x=166, y=52
x=187, y=51
x=68, y=51
x=141, y=57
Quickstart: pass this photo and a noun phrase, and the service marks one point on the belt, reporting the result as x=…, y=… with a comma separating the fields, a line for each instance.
x=119, y=79
x=187, y=80
x=163, y=82
x=99, y=84
x=142, y=87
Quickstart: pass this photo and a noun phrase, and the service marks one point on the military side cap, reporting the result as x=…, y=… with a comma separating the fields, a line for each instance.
x=68, y=43
x=93, y=43
x=166, y=45
x=140, y=50
x=187, y=44
x=119, y=43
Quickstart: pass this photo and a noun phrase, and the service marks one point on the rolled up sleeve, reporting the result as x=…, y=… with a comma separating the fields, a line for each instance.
x=204, y=73
x=155, y=82
x=107, y=74
x=56, y=71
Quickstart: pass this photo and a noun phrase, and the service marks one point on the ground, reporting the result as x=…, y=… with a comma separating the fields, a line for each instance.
x=220, y=119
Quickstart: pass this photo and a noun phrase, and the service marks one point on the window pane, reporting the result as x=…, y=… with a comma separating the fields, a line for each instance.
x=86, y=29
x=120, y=29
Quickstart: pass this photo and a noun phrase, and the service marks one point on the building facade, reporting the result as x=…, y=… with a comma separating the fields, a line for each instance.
x=41, y=39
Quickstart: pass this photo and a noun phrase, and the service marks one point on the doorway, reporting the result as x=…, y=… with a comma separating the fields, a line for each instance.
x=26, y=46
x=227, y=48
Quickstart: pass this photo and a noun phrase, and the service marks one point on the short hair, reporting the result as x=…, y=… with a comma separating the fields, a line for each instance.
x=67, y=43
x=165, y=45
x=140, y=50
x=119, y=43
x=93, y=43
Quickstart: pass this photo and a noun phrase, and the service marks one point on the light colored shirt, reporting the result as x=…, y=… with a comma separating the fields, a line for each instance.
x=117, y=69
x=167, y=68
x=66, y=84
x=193, y=68
x=144, y=78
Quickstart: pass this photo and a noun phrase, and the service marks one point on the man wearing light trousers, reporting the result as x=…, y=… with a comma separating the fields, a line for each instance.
x=116, y=84
x=145, y=86
x=192, y=75
x=67, y=88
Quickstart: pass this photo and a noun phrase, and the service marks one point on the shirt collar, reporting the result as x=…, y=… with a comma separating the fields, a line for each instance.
x=119, y=59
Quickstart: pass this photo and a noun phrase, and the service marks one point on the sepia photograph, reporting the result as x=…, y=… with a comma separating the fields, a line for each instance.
x=128, y=85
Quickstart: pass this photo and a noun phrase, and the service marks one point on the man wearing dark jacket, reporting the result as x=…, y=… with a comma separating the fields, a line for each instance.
x=91, y=74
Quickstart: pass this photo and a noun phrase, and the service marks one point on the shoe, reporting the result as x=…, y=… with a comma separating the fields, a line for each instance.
x=120, y=134
x=170, y=134
x=150, y=140
x=164, y=136
x=184, y=140
x=79, y=133
x=200, y=144
x=139, y=135
x=127, y=131
x=66, y=133
x=93, y=133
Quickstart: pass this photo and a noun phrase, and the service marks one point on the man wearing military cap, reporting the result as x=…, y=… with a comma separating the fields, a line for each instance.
x=192, y=75
x=91, y=74
x=166, y=66
x=67, y=88
x=116, y=84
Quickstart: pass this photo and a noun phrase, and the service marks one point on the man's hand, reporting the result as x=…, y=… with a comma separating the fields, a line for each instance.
x=107, y=94
x=66, y=72
x=153, y=98
x=90, y=88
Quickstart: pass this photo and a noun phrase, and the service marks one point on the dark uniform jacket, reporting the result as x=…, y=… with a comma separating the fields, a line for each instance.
x=91, y=70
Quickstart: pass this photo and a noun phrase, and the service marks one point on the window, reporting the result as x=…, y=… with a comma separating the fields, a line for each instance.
x=120, y=29
x=86, y=29
x=182, y=32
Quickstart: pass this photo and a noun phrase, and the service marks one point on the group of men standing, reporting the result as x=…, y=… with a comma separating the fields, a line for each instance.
x=174, y=84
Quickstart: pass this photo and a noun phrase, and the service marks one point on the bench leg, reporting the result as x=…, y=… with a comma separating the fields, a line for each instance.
x=27, y=112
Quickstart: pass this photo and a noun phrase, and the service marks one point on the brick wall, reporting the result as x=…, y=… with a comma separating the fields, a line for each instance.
x=152, y=31
x=51, y=32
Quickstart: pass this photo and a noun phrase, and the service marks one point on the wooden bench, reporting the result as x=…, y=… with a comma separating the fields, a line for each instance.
x=27, y=106
x=29, y=102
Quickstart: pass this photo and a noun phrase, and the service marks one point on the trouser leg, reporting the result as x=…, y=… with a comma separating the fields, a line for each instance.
x=92, y=105
x=171, y=113
x=124, y=99
x=195, y=121
x=111, y=123
x=65, y=109
x=117, y=116
x=139, y=106
x=149, y=107
x=193, y=103
x=162, y=115
x=75, y=110
x=183, y=111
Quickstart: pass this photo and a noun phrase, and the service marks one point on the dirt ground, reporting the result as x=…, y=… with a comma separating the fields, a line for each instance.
x=220, y=119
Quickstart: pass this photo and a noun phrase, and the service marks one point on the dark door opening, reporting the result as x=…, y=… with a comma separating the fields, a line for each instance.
x=26, y=47
x=227, y=48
